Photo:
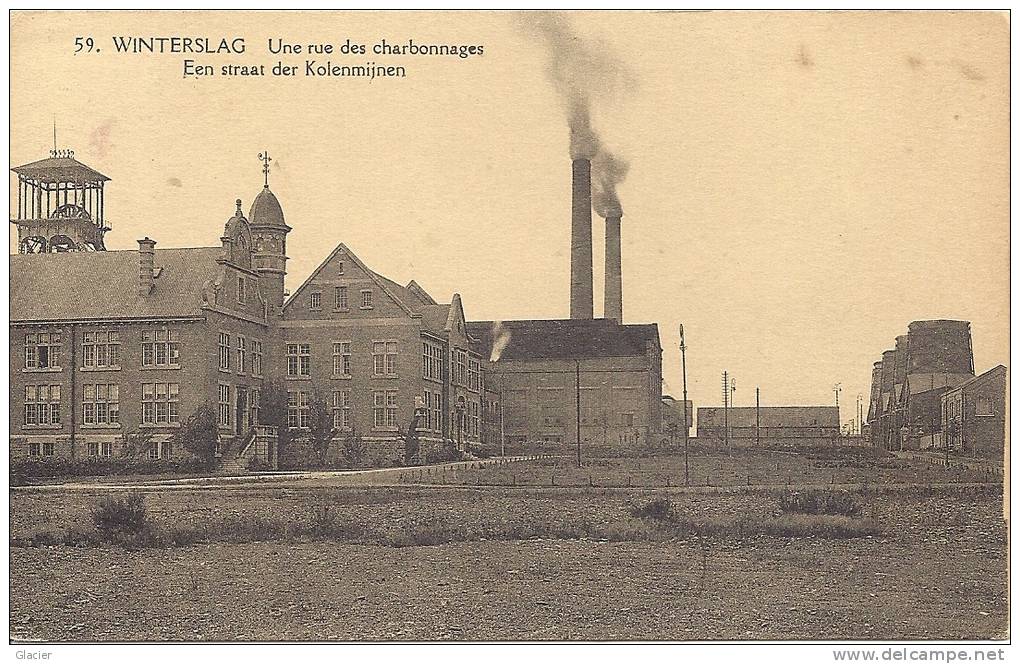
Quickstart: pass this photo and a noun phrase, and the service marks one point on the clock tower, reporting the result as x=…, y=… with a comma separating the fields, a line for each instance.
x=269, y=240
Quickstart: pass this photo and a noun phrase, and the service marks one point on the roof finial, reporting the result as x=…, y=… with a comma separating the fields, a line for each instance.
x=238, y=213
x=54, y=153
x=265, y=159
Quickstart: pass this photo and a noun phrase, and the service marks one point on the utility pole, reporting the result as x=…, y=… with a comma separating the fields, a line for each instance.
x=577, y=368
x=683, y=364
x=837, y=388
x=726, y=407
x=502, y=436
x=757, y=416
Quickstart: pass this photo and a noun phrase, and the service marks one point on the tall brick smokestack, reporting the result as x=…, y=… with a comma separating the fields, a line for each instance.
x=581, y=289
x=614, y=269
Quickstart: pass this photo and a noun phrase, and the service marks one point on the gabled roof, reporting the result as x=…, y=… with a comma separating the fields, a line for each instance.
x=103, y=285
x=997, y=370
x=411, y=298
x=920, y=382
x=60, y=169
x=563, y=338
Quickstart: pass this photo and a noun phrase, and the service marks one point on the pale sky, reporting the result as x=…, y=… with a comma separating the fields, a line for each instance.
x=802, y=185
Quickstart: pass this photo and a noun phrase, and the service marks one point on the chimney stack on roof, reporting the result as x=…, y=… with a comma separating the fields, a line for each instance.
x=146, y=258
x=581, y=289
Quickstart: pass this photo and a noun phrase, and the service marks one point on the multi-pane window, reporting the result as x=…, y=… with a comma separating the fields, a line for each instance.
x=100, y=449
x=160, y=450
x=42, y=405
x=223, y=405
x=256, y=358
x=254, y=400
x=384, y=358
x=242, y=294
x=384, y=409
x=160, y=403
x=340, y=297
x=160, y=349
x=366, y=299
x=315, y=301
x=432, y=361
x=432, y=412
x=100, y=404
x=100, y=349
x=224, y=351
x=241, y=348
x=437, y=411
x=474, y=418
x=297, y=409
x=341, y=409
x=42, y=350
x=342, y=359
x=473, y=373
x=299, y=359
x=44, y=449
x=458, y=367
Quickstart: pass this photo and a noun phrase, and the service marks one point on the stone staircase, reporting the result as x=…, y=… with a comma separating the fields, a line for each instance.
x=235, y=461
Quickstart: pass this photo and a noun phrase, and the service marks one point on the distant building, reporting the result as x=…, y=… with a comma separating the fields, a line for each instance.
x=804, y=425
x=536, y=364
x=933, y=357
x=973, y=415
x=673, y=416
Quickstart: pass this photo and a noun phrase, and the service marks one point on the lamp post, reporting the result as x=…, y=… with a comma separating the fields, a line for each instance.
x=683, y=365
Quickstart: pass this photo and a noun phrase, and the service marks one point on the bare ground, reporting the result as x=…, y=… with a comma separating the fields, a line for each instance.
x=938, y=571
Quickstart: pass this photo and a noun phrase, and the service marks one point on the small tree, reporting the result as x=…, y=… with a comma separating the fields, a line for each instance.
x=354, y=449
x=320, y=426
x=273, y=412
x=137, y=443
x=199, y=434
x=412, y=445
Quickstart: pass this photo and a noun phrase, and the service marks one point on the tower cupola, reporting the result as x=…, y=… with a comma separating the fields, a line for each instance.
x=269, y=239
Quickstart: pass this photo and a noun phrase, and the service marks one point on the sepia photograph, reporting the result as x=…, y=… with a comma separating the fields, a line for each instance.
x=556, y=327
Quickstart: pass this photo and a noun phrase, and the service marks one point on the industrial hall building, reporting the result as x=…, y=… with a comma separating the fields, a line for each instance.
x=182, y=328
x=177, y=329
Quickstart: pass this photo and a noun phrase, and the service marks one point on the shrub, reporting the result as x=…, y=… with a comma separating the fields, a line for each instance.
x=836, y=503
x=258, y=464
x=199, y=435
x=122, y=520
x=659, y=509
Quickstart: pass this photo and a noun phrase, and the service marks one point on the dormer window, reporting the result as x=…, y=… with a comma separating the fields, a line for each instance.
x=315, y=301
x=366, y=299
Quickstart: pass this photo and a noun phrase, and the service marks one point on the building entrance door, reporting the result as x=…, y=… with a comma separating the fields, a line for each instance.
x=241, y=411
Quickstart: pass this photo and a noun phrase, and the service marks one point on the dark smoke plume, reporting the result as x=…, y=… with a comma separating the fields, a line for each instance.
x=583, y=71
x=607, y=171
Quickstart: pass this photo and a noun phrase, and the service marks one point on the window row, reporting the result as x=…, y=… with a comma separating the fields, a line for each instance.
x=341, y=300
x=384, y=359
x=245, y=355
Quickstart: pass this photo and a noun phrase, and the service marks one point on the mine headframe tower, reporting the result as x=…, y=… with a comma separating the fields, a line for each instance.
x=60, y=205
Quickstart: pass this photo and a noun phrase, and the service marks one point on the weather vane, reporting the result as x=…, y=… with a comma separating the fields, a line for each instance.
x=265, y=159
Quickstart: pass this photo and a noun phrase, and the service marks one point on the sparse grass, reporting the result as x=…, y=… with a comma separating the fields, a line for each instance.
x=833, y=503
x=674, y=518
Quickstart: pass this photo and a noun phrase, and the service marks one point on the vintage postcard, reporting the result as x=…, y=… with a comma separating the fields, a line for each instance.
x=510, y=326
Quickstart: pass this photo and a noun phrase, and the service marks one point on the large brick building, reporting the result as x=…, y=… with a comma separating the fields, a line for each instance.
x=106, y=343
x=540, y=369
x=908, y=383
x=974, y=415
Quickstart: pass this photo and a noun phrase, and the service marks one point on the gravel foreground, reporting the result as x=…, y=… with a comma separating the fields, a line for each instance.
x=533, y=590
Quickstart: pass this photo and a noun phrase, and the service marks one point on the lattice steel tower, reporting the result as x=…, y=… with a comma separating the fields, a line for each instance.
x=60, y=205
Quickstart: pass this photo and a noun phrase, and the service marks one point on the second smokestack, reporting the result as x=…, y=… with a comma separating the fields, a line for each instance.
x=581, y=289
x=614, y=270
